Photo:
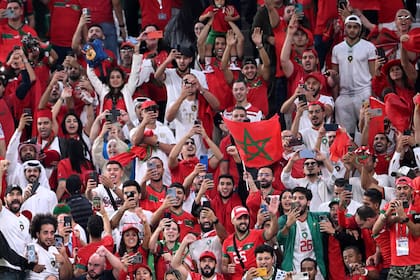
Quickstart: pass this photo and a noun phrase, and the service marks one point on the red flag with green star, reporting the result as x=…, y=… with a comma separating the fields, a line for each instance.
x=259, y=143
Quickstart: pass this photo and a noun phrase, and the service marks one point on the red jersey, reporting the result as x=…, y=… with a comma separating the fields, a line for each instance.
x=11, y=37
x=336, y=268
x=6, y=122
x=382, y=240
x=245, y=248
x=279, y=36
x=223, y=210
x=218, y=85
x=382, y=163
x=84, y=253
x=257, y=94
x=100, y=10
x=153, y=198
x=183, y=169
x=219, y=23
x=327, y=12
x=253, y=202
x=153, y=13
x=187, y=223
x=232, y=169
x=65, y=15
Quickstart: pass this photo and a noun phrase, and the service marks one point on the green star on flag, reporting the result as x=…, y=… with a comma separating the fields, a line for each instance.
x=259, y=143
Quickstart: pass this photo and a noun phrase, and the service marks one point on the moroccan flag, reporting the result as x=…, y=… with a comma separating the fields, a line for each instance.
x=340, y=145
x=259, y=143
x=376, y=123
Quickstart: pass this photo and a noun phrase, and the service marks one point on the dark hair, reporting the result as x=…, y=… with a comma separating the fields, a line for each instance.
x=281, y=210
x=264, y=249
x=108, y=77
x=114, y=162
x=161, y=42
x=374, y=195
x=131, y=183
x=39, y=220
x=178, y=186
x=174, y=272
x=305, y=191
x=123, y=248
x=157, y=158
x=73, y=184
x=355, y=248
x=309, y=260
x=76, y=155
x=227, y=176
x=15, y=1
x=341, y=182
x=404, y=78
x=95, y=25
x=240, y=81
x=79, y=123
x=365, y=212
x=95, y=226
x=239, y=108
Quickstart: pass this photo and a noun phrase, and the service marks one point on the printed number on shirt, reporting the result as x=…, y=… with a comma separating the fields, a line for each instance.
x=306, y=246
x=242, y=254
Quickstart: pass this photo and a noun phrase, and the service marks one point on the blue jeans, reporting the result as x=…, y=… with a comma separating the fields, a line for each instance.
x=111, y=38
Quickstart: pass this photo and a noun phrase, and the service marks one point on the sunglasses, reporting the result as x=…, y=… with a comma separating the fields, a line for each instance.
x=189, y=143
x=404, y=17
x=310, y=163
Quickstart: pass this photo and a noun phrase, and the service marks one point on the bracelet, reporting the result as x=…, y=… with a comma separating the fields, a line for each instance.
x=122, y=25
x=259, y=47
x=216, y=221
x=365, y=273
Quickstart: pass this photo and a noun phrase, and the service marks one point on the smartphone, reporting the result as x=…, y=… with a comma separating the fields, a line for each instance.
x=209, y=176
x=298, y=8
x=137, y=259
x=407, y=132
x=27, y=111
x=67, y=221
x=376, y=112
x=9, y=13
x=381, y=53
x=59, y=240
x=405, y=204
x=294, y=205
x=342, y=4
x=295, y=142
x=307, y=154
x=301, y=276
x=158, y=34
x=197, y=122
x=129, y=194
x=206, y=203
x=151, y=165
x=302, y=98
x=93, y=175
x=96, y=203
x=264, y=208
x=261, y=271
x=171, y=192
x=323, y=218
x=348, y=187
x=109, y=118
x=204, y=160
x=331, y=127
x=167, y=215
x=35, y=186
x=30, y=249
x=86, y=11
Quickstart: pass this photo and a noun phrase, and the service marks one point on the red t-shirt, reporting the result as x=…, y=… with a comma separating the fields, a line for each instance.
x=257, y=94
x=327, y=12
x=246, y=248
x=12, y=37
x=219, y=23
x=187, y=223
x=223, y=210
x=382, y=163
x=336, y=268
x=153, y=199
x=183, y=169
x=65, y=15
x=152, y=13
x=84, y=253
x=382, y=240
x=363, y=5
x=6, y=122
x=232, y=170
x=100, y=10
x=218, y=85
x=279, y=36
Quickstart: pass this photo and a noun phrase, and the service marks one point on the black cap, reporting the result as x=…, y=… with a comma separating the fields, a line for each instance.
x=404, y=171
x=249, y=60
x=12, y=187
x=188, y=52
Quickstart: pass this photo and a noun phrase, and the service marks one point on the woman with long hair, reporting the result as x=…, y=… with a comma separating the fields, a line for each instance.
x=75, y=163
x=72, y=128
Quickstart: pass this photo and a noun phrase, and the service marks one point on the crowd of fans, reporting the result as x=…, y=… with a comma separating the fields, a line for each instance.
x=116, y=162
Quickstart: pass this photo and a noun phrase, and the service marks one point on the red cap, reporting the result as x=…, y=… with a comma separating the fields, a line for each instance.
x=148, y=103
x=404, y=181
x=207, y=254
x=317, y=103
x=238, y=211
x=126, y=44
x=127, y=227
x=142, y=265
x=51, y=157
x=317, y=76
x=44, y=113
x=389, y=64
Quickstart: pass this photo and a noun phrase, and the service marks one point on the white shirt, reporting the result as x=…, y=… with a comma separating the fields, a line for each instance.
x=46, y=258
x=355, y=76
x=207, y=242
x=101, y=192
x=304, y=121
x=304, y=247
x=42, y=202
x=351, y=208
x=16, y=231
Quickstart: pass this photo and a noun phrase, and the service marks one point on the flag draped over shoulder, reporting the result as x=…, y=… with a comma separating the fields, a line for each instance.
x=259, y=143
x=340, y=145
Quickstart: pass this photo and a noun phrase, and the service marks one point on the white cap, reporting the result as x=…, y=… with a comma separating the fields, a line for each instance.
x=353, y=18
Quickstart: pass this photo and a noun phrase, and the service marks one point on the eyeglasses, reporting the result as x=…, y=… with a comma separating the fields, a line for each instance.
x=189, y=143
x=407, y=17
x=310, y=163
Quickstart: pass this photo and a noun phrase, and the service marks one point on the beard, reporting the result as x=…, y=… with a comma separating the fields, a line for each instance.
x=227, y=196
x=206, y=228
x=239, y=228
x=207, y=271
x=13, y=208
